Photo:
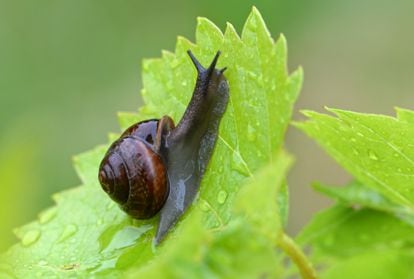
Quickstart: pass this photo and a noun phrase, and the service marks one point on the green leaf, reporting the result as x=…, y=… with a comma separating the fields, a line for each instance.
x=365, y=243
x=405, y=115
x=237, y=251
x=85, y=234
x=358, y=241
x=259, y=199
x=374, y=265
x=244, y=248
x=377, y=150
x=356, y=193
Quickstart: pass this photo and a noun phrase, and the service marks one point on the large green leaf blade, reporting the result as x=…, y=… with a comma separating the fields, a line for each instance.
x=342, y=240
x=392, y=263
x=376, y=149
x=356, y=194
x=405, y=115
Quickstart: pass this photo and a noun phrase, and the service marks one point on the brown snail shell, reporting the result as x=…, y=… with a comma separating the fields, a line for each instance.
x=133, y=173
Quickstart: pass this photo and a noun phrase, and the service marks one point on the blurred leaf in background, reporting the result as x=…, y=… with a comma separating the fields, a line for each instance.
x=18, y=182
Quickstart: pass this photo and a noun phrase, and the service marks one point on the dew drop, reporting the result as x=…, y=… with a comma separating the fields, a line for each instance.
x=353, y=139
x=372, y=155
x=99, y=222
x=30, y=237
x=356, y=152
x=42, y=263
x=68, y=232
x=222, y=196
x=47, y=215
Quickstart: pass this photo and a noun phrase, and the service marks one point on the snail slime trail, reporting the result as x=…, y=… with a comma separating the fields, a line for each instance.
x=157, y=167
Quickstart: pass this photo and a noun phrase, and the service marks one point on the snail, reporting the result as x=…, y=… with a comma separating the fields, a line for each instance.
x=155, y=166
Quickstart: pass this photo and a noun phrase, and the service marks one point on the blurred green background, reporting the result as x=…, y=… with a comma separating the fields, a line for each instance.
x=67, y=67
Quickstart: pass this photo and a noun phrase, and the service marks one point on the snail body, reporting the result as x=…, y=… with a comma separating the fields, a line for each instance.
x=157, y=167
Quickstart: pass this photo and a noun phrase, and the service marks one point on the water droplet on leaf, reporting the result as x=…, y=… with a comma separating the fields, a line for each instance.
x=372, y=155
x=30, y=237
x=47, y=215
x=221, y=197
x=42, y=262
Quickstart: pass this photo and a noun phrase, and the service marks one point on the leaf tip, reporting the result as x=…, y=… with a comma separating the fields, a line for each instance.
x=333, y=110
x=307, y=113
x=297, y=75
x=230, y=28
x=201, y=20
x=296, y=124
x=256, y=13
x=316, y=186
x=282, y=39
x=208, y=35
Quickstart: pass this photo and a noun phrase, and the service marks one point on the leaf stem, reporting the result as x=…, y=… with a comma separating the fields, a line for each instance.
x=297, y=256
